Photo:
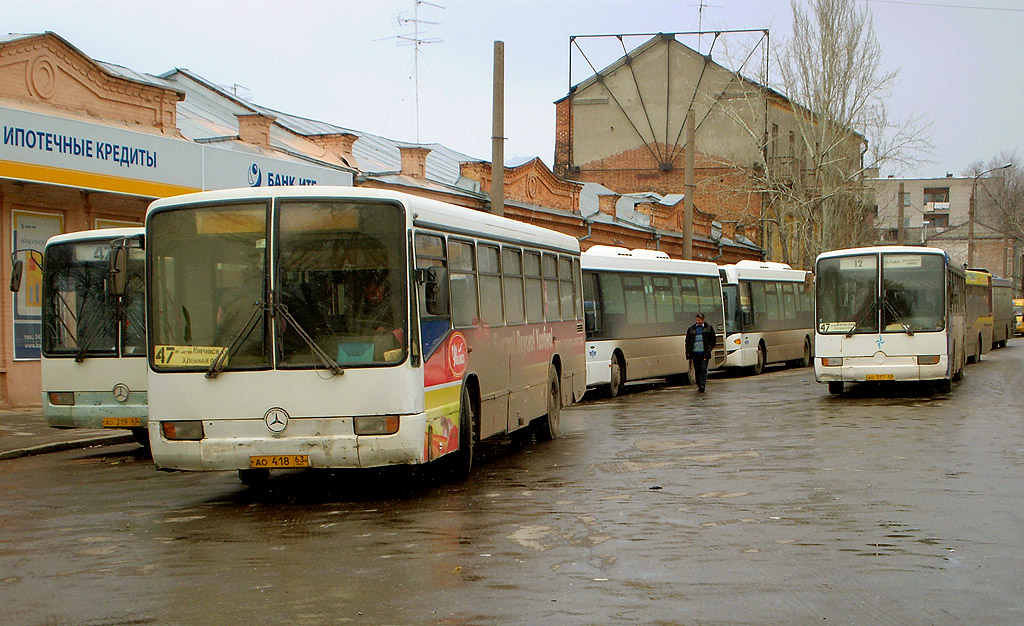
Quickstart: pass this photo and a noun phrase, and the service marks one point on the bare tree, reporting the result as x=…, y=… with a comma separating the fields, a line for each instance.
x=837, y=129
x=1000, y=201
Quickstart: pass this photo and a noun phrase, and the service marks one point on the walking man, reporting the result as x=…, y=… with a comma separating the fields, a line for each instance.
x=700, y=342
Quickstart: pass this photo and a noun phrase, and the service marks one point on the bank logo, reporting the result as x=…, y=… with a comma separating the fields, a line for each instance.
x=255, y=176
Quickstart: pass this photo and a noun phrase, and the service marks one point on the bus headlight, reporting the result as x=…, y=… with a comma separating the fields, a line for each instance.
x=62, y=398
x=928, y=360
x=191, y=430
x=831, y=361
x=376, y=425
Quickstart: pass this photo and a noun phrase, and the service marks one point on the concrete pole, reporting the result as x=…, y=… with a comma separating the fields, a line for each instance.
x=688, y=188
x=498, y=132
x=900, y=199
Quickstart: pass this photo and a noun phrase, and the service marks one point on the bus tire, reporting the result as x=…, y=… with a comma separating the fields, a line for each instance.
x=977, y=354
x=762, y=358
x=835, y=387
x=617, y=376
x=547, y=427
x=460, y=462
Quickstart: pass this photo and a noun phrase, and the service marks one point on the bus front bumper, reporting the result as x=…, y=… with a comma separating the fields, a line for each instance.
x=324, y=442
x=95, y=409
x=869, y=369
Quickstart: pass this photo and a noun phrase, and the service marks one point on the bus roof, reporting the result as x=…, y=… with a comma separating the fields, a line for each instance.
x=422, y=212
x=99, y=234
x=622, y=259
x=755, y=270
x=883, y=250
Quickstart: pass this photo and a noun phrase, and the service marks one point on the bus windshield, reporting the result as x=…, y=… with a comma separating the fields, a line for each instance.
x=911, y=300
x=343, y=280
x=80, y=317
x=339, y=286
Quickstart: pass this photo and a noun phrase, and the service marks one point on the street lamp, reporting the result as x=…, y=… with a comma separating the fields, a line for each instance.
x=970, y=213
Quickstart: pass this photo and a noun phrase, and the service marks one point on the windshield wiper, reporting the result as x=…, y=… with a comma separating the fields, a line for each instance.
x=871, y=309
x=87, y=340
x=222, y=358
x=318, y=352
x=896, y=316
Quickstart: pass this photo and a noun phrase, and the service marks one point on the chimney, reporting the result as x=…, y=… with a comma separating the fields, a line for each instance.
x=338, y=144
x=414, y=161
x=606, y=203
x=254, y=128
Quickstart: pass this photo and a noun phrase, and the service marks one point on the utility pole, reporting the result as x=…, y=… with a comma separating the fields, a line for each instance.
x=688, y=187
x=901, y=202
x=498, y=132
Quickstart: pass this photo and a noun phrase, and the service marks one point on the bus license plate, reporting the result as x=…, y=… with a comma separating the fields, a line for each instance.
x=122, y=422
x=879, y=377
x=279, y=461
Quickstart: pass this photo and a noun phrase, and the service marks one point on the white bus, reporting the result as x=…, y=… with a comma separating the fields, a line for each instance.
x=342, y=327
x=638, y=306
x=889, y=313
x=769, y=315
x=93, y=356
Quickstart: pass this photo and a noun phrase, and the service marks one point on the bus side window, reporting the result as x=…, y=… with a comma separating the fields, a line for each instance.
x=593, y=317
x=534, y=287
x=462, y=266
x=432, y=288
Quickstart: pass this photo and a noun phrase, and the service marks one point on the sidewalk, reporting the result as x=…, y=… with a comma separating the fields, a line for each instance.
x=23, y=432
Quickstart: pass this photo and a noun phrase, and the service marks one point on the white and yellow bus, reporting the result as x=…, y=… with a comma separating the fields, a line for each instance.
x=93, y=342
x=339, y=327
x=638, y=306
x=889, y=313
x=769, y=315
x=1003, y=321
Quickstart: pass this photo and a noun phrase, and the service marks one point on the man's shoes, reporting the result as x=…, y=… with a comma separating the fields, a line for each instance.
x=700, y=390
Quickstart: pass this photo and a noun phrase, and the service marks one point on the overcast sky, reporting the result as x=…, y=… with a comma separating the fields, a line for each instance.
x=960, y=61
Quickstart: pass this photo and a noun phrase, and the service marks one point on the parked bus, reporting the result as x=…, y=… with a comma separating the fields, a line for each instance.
x=341, y=327
x=93, y=343
x=979, y=314
x=638, y=306
x=889, y=313
x=769, y=315
x=1018, y=314
x=1003, y=321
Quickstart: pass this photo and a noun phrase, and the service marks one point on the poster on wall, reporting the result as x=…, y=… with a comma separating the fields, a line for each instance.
x=29, y=232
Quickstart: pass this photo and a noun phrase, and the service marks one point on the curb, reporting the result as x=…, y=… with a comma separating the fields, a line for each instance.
x=60, y=446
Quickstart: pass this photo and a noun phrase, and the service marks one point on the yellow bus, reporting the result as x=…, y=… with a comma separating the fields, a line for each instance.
x=979, y=313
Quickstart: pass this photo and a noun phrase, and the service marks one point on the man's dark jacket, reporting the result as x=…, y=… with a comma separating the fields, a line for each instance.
x=709, y=340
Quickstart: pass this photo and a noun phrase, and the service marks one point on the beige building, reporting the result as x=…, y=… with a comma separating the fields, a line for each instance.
x=936, y=212
x=624, y=128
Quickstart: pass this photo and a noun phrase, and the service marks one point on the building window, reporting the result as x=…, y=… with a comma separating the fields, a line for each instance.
x=936, y=194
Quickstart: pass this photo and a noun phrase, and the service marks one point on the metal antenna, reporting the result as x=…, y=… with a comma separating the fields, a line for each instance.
x=416, y=39
x=700, y=18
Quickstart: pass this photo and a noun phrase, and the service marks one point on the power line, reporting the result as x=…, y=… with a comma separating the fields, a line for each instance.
x=946, y=6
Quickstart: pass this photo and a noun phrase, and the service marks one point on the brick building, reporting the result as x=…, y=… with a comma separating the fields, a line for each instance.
x=624, y=128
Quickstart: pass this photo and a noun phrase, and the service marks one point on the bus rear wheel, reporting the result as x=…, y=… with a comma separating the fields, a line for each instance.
x=547, y=427
x=807, y=359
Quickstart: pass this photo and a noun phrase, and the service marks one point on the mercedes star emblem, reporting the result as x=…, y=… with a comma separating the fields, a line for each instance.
x=276, y=419
x=120, y=392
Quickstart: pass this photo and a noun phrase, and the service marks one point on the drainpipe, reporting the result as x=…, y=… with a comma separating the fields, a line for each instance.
x=720, y=252
x=590, y=225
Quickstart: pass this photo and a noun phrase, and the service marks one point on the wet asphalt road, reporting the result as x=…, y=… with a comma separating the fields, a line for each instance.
x=765, y=501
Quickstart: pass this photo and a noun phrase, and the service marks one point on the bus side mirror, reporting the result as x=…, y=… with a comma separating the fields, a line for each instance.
x=16, y=274
x=435, y=281
x=118, y=270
